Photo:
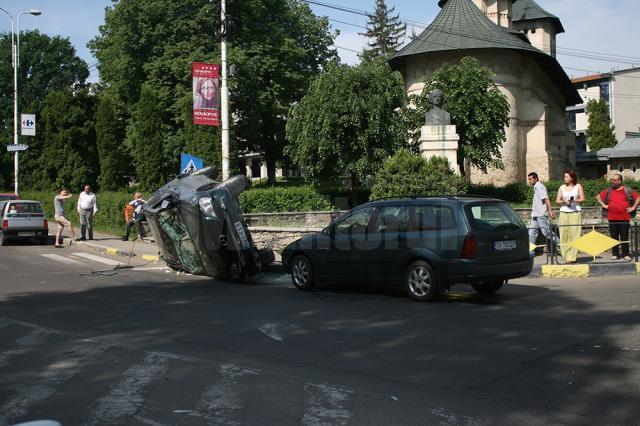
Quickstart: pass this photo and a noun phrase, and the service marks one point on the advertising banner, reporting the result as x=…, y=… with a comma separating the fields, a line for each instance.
x=28, y=124
x=205, y=93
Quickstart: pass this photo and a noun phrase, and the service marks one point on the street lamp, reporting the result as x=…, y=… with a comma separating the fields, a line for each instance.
x=15, y=55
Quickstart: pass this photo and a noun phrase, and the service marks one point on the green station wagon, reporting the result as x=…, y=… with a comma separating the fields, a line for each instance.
x=425, y=244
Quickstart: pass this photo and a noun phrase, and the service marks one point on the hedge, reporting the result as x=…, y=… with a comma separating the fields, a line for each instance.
x=110, y=216
x=278, y=199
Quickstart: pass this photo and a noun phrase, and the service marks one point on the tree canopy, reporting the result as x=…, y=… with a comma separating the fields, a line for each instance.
x=349, y=121
x=277, y=47
x=384, y=31
x=600, y=132
x=477, y=107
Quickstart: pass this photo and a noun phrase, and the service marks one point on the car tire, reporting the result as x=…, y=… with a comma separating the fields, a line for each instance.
x=302, y=273
x=420, y=282
x=490, y=287
x=43, y=241
x=235, y=271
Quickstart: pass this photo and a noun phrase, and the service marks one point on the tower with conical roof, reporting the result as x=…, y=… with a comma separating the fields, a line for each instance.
x=540, y=26
x=536, y=86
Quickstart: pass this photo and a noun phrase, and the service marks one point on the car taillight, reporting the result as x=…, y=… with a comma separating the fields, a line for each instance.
x=46, y=224
x=469, y=247
x=5, y=224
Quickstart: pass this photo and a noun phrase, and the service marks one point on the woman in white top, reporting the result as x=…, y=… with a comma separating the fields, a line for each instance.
x=570, y=195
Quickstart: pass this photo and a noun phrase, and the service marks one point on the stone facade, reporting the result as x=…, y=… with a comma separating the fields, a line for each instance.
x=537, y=136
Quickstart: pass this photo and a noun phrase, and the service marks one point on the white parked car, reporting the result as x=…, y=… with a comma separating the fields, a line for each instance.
x=23, y=219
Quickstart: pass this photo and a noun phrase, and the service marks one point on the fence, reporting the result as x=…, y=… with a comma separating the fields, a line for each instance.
x=592, y=242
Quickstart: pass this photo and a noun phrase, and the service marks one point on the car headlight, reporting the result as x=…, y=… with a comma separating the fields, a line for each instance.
x=206, y=206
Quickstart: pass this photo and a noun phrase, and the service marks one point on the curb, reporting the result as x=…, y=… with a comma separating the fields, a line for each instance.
x=582, y=271
x=114, y=251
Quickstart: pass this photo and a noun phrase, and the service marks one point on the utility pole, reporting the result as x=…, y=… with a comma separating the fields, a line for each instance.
x=224, y=107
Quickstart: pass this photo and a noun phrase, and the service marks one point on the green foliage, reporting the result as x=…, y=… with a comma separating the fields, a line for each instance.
x=406, y=174
x=115, y=161
x=348, y=122
x=110, y=216
x=277, y=46
x=292, y=199
x=600, y=132
x=477, y=107
x=47, y=64
x=68, y=157
x=384, y=32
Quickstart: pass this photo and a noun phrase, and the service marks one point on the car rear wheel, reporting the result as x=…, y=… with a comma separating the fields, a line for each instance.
x=302, y=273
x=490, y=287
x=420, y=282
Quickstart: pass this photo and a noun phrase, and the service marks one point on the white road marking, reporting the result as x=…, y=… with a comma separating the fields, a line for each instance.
x=151, y=268
x=61, y=259
x=48, y=383
x=220, y=404
x=271, y=330
x=22, y=346
x=98, y=259
x=126, y=397
x=326, y=405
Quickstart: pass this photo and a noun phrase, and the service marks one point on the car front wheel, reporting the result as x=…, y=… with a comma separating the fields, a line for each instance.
x=420, y=282
x=302, y=273
x=490, y=287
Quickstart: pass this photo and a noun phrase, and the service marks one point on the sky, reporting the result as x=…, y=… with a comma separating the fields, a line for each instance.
x=596, y=30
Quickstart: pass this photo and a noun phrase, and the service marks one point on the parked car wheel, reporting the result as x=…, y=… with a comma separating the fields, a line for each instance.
x=235, y=272
x=490, y=287
x=420, y=282
x=302, y=273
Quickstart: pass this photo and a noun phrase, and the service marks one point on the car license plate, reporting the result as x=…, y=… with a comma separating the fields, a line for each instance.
x=26, y=234
x=504, y=245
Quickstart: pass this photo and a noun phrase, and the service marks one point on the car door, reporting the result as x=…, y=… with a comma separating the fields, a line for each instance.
x=387, y=243
x=345, y=258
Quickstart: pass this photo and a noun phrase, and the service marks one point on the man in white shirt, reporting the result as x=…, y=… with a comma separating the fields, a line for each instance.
x=540, y=209
x=87, y=208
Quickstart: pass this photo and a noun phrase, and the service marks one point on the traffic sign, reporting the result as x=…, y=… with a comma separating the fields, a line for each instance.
x=190, y=163
x=28, y=123
x=17, y=147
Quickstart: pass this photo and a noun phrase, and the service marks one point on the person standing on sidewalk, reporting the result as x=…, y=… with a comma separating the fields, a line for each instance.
x=541, y=210
x=569, y=197
x=621, y=202
x=137, y=204
x=87, y=208
x=58, y=204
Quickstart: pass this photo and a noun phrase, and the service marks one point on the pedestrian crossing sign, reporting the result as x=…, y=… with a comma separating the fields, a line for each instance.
x=190, y=163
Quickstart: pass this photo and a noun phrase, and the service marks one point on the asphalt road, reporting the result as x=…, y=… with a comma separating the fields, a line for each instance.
x=85, y=344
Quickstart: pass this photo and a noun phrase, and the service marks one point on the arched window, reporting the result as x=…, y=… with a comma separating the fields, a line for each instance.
x=634, y=168
x=620, y=168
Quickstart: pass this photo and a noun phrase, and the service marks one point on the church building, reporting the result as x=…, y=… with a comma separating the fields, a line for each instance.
x=516, y=39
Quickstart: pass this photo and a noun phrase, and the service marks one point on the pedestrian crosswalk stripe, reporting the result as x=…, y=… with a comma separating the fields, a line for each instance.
x=98, y=259
x=48, y=382
x=126, y=397
x=61, y=259
x=326, y=405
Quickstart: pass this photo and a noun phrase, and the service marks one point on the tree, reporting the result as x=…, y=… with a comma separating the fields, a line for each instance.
x=600, y=132
x=69, y=156
x=152, y=164
x=110, y=135
x=407, y=174
x=385, y=32
x=47, y=64
x=477, y=107
x=348, y=122
x=277, y=46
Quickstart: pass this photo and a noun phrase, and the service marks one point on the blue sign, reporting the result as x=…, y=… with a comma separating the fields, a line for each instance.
x=189, y=163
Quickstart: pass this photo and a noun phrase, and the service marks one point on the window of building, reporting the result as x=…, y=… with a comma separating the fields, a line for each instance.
x=571, y=120
x=634, y=168
x=604, y=91
x=620, y=168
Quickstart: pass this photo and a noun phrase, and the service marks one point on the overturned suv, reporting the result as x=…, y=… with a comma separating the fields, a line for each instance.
x=425, y=244
x=199, y=228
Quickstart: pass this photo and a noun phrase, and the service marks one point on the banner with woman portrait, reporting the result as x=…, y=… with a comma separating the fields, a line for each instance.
x=205, y=93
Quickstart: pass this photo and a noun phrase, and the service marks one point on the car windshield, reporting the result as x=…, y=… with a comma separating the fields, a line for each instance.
x=15, y=209
x=492, y=216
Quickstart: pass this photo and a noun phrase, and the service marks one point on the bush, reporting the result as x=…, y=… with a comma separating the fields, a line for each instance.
x=290, y=199
x=406, y=174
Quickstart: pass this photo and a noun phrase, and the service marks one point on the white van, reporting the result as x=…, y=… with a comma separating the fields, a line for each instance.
x=23, y=219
